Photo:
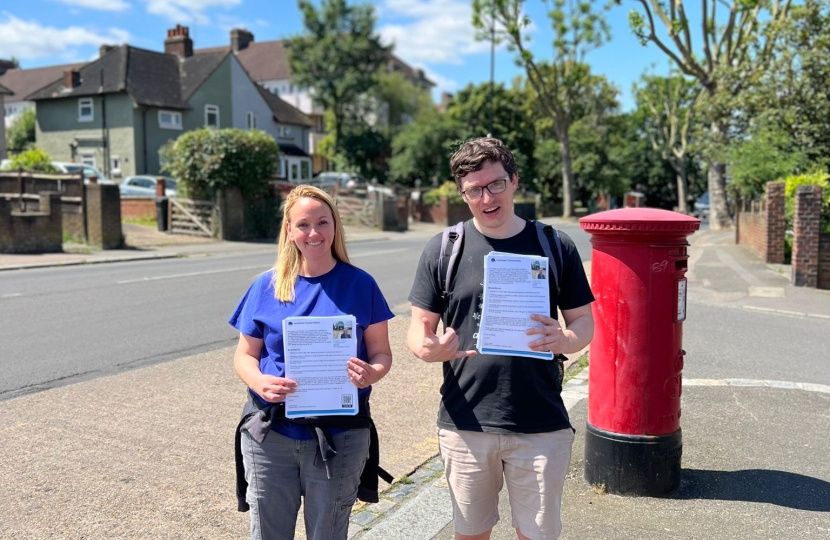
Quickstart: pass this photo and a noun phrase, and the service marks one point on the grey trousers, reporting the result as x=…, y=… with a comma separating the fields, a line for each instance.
x=282, y=470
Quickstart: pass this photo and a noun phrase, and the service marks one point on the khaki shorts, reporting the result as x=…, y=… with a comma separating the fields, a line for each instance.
x=534, y=466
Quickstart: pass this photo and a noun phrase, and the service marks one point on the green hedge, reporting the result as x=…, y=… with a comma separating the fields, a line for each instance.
x=206, y=160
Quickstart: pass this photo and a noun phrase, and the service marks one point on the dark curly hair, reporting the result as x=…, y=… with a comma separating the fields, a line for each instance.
x=474, y=154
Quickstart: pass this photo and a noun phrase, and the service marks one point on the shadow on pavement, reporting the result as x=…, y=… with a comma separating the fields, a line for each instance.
x=757, y=485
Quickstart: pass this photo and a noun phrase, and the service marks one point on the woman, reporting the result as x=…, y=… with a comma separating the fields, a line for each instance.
x=319, y=459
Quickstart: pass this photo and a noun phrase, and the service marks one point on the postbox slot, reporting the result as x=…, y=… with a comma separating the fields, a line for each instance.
x=680, y=265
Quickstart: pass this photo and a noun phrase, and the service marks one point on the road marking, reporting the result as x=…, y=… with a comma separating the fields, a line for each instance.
x=11, y=295
x=382, y=252
x=190, y=274
x=576, y=389
x=786, y=313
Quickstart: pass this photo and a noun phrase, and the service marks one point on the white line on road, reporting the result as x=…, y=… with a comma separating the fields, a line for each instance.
x=191, y=274
x=11, y=295
x=786, y=313
x=382, y=252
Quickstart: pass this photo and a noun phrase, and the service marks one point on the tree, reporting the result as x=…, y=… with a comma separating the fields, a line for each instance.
x=666, y=106
x=422, y=149
x=742, y=46
x=559, y=81
x=396, y=102
x=21, y=134
x=206, y=160
x=769, y=153
x=513, y=124
x=789, y=102
x=338, y=57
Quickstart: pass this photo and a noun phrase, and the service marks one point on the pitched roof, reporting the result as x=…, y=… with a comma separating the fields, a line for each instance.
x=196, y=69
x=268, y=60
x=22, y=82
x=152, y=78
x=284, y=112
x=5, y=91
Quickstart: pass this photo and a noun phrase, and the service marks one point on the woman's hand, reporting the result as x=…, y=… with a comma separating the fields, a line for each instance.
x=274, y=389
x=362, y=374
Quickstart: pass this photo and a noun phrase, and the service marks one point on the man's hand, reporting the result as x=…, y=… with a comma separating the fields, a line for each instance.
x=553, y=337
x=274, y=389
x=440, y=349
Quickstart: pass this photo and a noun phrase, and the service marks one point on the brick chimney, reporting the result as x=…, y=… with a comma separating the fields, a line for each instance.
x=104, y=49
x=6, y=65
x=71, y=78
x=240, y=39
x=178, y=42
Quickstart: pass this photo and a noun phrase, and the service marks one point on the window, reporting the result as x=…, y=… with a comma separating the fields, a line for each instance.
x=212, y=116
x=305, y=169
x=115, y=165
x=85, y=110
x=88, y=160
x=170, y=120
x=284, y=132
x=251, y=120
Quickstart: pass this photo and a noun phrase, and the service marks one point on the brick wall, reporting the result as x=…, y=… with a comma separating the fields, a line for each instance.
x=103, y=208
x=31, y=232
x=138, y=207
x=806, y=235
x=761, y=225
x=824, y=262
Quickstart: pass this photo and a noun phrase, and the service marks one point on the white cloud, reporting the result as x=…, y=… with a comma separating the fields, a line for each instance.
x=187, y=11
x=437, y=31
x=103, y=5
x=29, y=40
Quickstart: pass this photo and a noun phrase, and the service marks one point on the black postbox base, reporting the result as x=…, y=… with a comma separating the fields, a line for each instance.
x=631, y=464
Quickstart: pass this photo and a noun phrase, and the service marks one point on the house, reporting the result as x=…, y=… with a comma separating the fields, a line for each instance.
x=267, y=64
x=117, y=112
x=22, y=82
x=3, y=92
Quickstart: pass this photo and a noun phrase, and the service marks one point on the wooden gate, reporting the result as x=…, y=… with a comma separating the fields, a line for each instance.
x=352, y=208
x=191, y=217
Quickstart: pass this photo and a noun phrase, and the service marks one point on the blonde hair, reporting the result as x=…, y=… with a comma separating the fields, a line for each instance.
x=287, y=267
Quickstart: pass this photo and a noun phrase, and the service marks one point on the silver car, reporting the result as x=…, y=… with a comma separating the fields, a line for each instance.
x=146, y=186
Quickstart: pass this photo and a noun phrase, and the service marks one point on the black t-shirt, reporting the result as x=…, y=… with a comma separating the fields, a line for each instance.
x=495, y=393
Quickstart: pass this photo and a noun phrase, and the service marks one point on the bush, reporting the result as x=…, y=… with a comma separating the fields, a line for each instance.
x=206, y=160
x=447, y=189
x=34, y=160
x=812, y=179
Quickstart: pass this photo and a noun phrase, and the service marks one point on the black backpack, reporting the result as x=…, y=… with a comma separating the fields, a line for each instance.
x=454, y=236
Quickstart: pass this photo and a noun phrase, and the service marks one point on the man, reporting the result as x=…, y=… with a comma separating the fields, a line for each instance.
x=501, y=417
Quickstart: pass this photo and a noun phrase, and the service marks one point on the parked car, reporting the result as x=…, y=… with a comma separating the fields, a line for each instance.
x=341, y=180
x=701, y=210
x=89, y=171
x=146, y=186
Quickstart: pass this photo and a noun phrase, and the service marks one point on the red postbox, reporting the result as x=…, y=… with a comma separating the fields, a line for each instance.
x=633, y=442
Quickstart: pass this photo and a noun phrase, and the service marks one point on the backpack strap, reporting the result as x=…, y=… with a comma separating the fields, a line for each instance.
x=545, y=233
x=452, y=235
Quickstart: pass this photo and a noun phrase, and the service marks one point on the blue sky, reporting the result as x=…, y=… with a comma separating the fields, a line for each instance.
x=432, y=34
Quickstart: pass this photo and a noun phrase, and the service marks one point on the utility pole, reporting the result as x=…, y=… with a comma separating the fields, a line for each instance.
x=492, y=63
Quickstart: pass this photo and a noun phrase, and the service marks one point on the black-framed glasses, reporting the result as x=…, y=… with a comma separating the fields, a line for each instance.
x=474, y=193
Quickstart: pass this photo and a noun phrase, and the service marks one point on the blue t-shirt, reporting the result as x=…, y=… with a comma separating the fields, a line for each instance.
x=344, y=290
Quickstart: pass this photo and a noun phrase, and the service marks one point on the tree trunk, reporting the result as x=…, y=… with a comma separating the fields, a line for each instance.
x=682, y=188
x=568, y=190
x=718, y=209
